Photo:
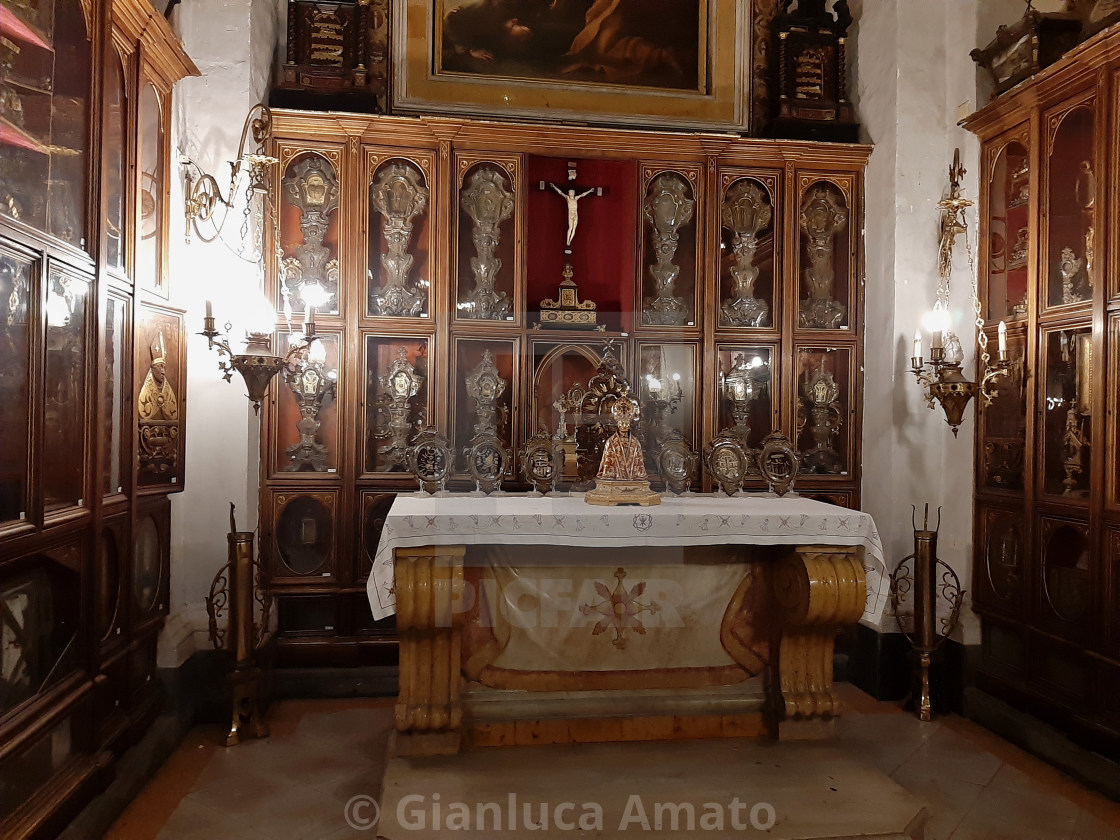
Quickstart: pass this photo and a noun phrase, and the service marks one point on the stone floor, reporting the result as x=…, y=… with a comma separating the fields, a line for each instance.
x=324, y=753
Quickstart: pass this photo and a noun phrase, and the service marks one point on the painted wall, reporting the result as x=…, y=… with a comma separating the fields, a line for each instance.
x=912, y=80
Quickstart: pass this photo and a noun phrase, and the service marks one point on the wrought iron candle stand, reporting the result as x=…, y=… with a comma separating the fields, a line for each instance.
x=919, y=573
x=238, y=589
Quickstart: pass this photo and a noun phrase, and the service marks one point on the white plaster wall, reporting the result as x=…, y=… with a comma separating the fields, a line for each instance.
x=913, y=81
x=231, y=42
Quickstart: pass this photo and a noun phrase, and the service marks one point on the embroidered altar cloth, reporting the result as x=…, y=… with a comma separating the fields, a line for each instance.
x=419, y=520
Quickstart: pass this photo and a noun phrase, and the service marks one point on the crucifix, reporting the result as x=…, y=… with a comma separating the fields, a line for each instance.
x=568, y=311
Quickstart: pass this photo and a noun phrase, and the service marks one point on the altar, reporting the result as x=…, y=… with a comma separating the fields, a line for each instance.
x=544, y=619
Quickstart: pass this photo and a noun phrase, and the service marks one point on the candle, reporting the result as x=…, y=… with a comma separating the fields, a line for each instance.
x=918, y=344
x=209, y=309
x=309, y=322
x=937, y=340
x=1002, y=340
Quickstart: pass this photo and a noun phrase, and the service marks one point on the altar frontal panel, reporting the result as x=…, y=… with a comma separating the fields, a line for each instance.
x=554, y=618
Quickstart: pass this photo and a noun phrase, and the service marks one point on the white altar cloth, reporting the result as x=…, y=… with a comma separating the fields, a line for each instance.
x=698, y=520
x=420, y=519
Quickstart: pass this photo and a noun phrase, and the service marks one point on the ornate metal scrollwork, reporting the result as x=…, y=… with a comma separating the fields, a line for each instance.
x=746, y=213
x=489, y=204
x=822, y=218
x=399, y=196
x=311, y=384
x=542, y=462
x=820, y=401
x=485, y=387
x=487, y=461
x=677, y=463
x=729, y=461
x=668, y=208
x=779, y=463
x=742, y=385
x=429, y=460
x=398, y=388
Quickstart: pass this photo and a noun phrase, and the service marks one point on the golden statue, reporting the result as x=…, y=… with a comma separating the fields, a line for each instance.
x=157, y=397
x=622, y=471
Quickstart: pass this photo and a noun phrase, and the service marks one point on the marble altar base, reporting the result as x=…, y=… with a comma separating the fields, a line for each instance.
x=813, y=792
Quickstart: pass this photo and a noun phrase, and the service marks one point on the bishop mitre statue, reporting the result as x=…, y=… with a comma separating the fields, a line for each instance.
x=622, y=472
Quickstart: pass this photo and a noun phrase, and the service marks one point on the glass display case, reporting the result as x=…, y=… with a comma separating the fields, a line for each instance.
x=823, y=395
x=397, y=400
x=748, y=233
x=150, y=190
x=64, y=405
x=1048, y=488
x=399, y=238
x=76, y=610
x=306, y=438
x=747, y=389
x=1067, y=413
x=824, y=256
x=488, y=223
x=513, y=280
x=670, y=233
x=15, y=403
x=44, y=116
x=1070, y=220
x=1008, y=208
x=1003, y=425
x=310, y=195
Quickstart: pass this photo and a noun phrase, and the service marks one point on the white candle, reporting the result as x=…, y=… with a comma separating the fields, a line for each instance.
x=936, y=344
x=918, y=344
x=1002, y=339
x=209, y=309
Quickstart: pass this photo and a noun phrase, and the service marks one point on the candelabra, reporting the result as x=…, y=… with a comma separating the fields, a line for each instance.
x=258, y=364
x=942, y=379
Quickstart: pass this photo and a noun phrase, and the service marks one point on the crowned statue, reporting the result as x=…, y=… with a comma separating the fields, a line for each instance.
x=622, y=473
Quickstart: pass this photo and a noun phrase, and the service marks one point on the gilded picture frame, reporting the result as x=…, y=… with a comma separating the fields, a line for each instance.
x=508, y=59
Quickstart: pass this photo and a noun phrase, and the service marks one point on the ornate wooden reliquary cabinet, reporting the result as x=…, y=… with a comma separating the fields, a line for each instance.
x=1047, y=525
x=479, y=274
x=92, y=400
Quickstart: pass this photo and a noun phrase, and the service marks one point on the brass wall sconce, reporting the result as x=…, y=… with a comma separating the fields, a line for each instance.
x=941, y=378
x=204, y=196
x=258, y=364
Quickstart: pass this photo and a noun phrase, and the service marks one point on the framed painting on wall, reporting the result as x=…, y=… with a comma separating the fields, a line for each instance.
x=161, y=370
x=642, y=62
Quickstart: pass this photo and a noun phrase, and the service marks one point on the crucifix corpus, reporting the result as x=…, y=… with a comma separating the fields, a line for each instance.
x=568, y=311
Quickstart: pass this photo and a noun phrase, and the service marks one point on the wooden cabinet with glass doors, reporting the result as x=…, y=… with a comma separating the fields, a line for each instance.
x=1047, y=565
x=726, y=276
x=91, y=394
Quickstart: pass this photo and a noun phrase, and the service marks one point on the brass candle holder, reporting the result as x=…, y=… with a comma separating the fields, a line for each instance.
x=258, y=364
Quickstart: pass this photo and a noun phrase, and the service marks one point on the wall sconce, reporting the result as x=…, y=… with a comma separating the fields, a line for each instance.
x=942, y=378
x=205, y=195
x=258, y=364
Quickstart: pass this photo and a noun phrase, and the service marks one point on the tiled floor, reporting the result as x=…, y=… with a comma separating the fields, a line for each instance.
x=295, y=784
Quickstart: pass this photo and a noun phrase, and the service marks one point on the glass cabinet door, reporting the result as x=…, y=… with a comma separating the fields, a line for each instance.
x=747, y=257
x=824, y=257
x=398, y=239
x=150, y=190
x=310, y=196
x=1071, y=219
x=15, y=402
x=1067, y=412
x=1008, y=232
x=64, y=403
